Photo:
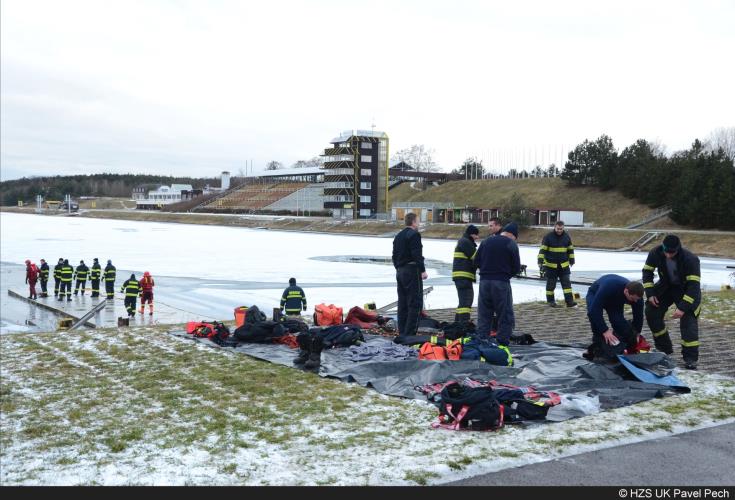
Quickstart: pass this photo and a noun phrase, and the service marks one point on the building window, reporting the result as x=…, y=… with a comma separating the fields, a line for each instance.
x=366, y=158
x=365, y=212
x=366, y=172
x=366, y=185
x=367, y=145
x=366, y=199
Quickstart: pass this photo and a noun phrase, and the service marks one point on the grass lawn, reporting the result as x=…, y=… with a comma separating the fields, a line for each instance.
x=137, y=406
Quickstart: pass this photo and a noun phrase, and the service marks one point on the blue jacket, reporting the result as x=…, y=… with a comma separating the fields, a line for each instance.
x=607, y=294
x=498, y=259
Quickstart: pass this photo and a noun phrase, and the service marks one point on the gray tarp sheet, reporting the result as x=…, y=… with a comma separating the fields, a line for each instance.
x=545, y=366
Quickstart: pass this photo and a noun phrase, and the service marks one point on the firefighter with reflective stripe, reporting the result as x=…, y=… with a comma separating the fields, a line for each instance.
x=678, y=284
x=555, y=261
x=108, y=275
x=131, y=289
x=293, y=299
x=95, y=274
x=80, y=275
x=146, y=292
x=43, y=275
x=463, y=272
x=67, y=274
x=57, y=276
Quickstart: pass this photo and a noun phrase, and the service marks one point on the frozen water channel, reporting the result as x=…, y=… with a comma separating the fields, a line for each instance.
x=210, y=270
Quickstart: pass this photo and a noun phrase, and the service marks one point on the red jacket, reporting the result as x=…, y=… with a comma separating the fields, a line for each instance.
x=31, y=273
x=147, y=284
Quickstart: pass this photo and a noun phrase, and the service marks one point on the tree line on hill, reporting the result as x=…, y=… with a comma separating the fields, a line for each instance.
x=107, y=185
x=698, y=183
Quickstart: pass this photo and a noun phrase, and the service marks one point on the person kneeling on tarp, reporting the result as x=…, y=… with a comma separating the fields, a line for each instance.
x=610, y=293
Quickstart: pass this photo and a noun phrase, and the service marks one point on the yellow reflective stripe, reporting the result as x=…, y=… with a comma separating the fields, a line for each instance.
x=293, y=310
x=433, y=339
x=544, y=247
x=648, y=284
x=473, y=255
x=540, y=256
x=693, y=343
x=552, y=265
x=463, y=310
x=646, y=267
x=693, y=277
x=565, y=264
x=460, y=255
x=689, y=299
x=463, y=274
x=558, y=249
x=294, y=294
x=507, y=351
x=697, y=310
x=570, y=247
x=662, y=332
x=549, y=293
x=566, y=290
x=571, y=255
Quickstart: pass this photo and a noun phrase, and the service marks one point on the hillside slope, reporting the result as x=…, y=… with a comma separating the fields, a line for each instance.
x=602, y=208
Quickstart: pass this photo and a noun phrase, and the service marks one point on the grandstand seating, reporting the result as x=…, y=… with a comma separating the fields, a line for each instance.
x=253, y=196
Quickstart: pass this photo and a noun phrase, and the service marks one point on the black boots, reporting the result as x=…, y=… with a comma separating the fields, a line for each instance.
x=315, y=355
x=304, y=340
x=310, y=351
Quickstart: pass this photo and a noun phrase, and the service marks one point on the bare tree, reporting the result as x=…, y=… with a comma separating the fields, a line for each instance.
x=274, y=165
x=418, y=156
x=724, y=138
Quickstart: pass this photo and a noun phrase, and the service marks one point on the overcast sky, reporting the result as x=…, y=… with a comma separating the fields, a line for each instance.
x=196, y=87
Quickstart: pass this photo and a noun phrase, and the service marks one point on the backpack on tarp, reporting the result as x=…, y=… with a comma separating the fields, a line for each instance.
x=261, y=332
x=338, y=335
x=214, y=331
x=431, y=351
x=362, y=318
x=487, y=350
x=326, y=315
x=254, y=315
x=469, y=408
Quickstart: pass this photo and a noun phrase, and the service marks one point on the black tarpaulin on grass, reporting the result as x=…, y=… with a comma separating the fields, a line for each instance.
x=545, y=366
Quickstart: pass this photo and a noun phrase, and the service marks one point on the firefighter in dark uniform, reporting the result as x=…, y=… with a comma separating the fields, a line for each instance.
x=94, y=275
x=57, y=276
x=43, y=275
x=67, y=274
x=109, y=277
x=131, y=289
x=80, y=275
x=463, y=273
x=678, y=284
x=293, y=299
x=408, y=260
x=555, y=260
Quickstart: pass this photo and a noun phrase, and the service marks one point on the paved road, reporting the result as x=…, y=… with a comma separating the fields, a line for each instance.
x=698, y=458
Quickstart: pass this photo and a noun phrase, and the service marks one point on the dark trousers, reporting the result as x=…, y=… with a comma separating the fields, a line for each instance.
x=410, y=299
x=65, y=290
x=130, y=304
x=44, y=288
x=465, y=297
x=495, y=298
x=95, y=288
x=110, y=289
x=566, y=284
x=57, y=285
x=80, y=284
x=688, y=324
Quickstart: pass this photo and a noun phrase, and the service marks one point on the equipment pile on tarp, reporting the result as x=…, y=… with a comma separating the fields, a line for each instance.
x=571, y=386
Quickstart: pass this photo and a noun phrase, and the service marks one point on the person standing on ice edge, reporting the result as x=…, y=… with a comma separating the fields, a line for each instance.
x=293, y=299
x=67, y=274
x=81, y=276
x=410, y=271
x=109, y=277
x=463, y=273
x=146, y=288
x=43, y=275
x=95, y=275
x=555, y=261
x=57, y=276
x=31, y=278
x=498, y=260
x=131, y=289
x=678, y=283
